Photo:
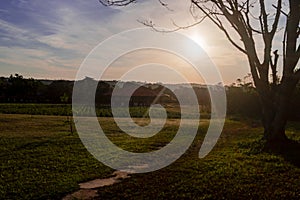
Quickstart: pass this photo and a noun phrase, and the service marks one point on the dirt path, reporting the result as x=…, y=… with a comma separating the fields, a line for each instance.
x=88, y=190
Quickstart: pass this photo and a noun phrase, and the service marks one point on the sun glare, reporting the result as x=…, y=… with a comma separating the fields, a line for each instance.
x=197, y=38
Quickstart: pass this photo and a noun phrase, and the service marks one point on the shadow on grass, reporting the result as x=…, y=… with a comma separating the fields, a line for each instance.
x=288, y=149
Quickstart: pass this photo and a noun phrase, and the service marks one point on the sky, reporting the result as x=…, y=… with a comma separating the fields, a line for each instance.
x=51, y=39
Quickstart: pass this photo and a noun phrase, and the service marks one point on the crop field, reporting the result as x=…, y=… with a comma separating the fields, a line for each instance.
x=41, y=159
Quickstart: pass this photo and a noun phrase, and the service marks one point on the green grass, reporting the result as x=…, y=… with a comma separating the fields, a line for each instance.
x=35, y=109
x=66, y=109
x=40, y=159
x=230, y=171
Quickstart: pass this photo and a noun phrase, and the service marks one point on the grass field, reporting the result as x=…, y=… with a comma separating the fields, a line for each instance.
x=173, y=111
x=40, y=159
x=66, y=109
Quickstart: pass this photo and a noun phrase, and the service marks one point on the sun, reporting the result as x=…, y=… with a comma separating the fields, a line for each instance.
x=198, y=39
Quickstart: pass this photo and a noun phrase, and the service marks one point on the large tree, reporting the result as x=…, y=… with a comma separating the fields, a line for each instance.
x=253, y=21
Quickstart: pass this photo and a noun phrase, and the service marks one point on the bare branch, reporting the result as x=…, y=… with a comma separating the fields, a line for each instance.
x=284, y=45
x=280, y=11
x=276, y=20
x=165, y=5
x=274, y=66
x=127, y=2
x=218, y=23
x=116, y=2
x=291, y=37
x=264, y=17
x=297, y=74
x=298, y=52
x=246, y=15
x=150, y=24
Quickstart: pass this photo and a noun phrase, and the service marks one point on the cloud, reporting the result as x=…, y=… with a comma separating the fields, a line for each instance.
x=44, y=42
x=51, y=38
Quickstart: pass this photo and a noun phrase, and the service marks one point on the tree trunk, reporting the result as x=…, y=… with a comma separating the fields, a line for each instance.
x=276, y=105
x=274, y=122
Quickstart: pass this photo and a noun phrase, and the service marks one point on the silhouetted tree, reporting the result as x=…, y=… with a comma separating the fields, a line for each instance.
x=20, y=89
x=3, y=89
x=239, y=16
x=57, y=89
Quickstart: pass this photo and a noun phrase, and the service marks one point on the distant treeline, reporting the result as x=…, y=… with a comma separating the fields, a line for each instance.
x=242, y=98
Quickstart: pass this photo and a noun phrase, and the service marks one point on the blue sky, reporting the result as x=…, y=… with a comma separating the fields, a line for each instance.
x=50, y=39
